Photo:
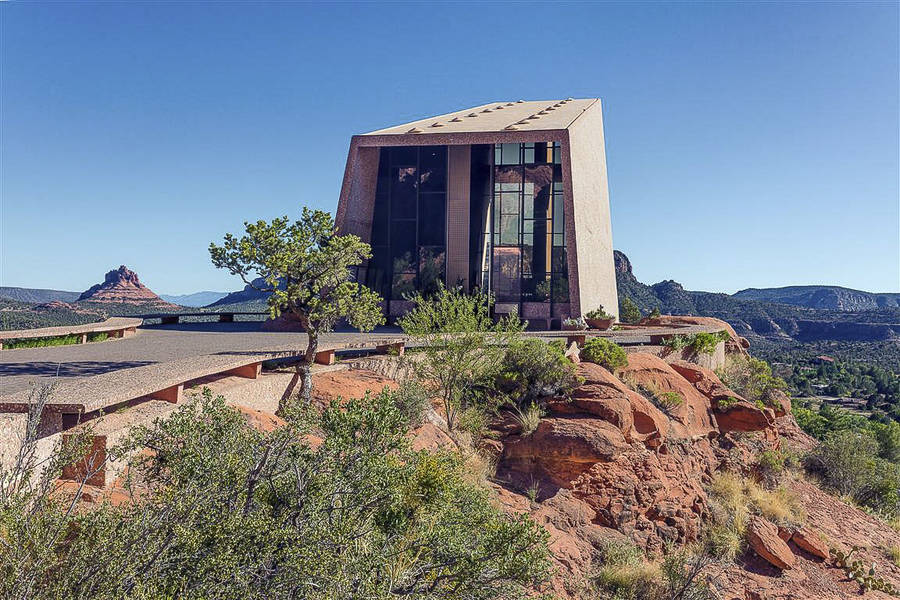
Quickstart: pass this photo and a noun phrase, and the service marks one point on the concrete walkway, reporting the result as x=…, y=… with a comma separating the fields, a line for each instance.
x=18, y=368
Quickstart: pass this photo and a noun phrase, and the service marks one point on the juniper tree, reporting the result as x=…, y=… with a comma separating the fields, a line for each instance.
x=306, y=267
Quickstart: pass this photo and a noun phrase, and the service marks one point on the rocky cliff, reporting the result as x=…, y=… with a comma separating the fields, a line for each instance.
x=829, y=297
x=122, y=286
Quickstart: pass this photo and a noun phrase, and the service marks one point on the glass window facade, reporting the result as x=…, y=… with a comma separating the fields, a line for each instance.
x=522, y=255
x=409, y=227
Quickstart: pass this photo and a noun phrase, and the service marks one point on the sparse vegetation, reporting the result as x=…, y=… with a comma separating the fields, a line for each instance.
x=307, y=270
x=598, y=313
x=462, y=348
x=532, y=369
x=625, y=574
x=733, y=499
x=528, y=418
x=221, y=510
x=605, y=353
x=697, y=343
x=751, y=378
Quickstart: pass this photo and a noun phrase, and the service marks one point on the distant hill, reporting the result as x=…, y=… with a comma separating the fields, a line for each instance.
x=246, y=295
x=757, y=317
x=37, y=296
x=829, y=297
x=194, y=300
x=23, y=315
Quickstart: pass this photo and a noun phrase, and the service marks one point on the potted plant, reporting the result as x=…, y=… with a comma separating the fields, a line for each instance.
x=599, y=319
x=574, y=324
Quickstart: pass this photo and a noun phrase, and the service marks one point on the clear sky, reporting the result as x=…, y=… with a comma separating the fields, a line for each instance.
x=748, y=144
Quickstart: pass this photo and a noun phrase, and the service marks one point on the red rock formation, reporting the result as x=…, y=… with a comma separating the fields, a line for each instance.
x=763, y=538
x=122, y=286
x=807, y=540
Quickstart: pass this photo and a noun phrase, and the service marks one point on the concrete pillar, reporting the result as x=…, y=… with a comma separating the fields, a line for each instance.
x=325, y=357
x=84, y=338
x=395, y=349
x=226, y=318
x=458, y=177
x=251, y=371
x=170, y=394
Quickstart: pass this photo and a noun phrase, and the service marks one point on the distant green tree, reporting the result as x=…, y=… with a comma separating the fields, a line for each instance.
x=461, y=346
x=307, y=269
x=628, y=311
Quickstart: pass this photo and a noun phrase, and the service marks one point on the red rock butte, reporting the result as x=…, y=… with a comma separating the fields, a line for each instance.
x=122, y=286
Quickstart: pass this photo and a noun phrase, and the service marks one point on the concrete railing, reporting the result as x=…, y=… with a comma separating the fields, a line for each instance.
x=226, y=316
x=116, y=327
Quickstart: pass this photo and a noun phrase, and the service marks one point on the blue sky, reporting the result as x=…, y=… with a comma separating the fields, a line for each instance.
x=748, y=145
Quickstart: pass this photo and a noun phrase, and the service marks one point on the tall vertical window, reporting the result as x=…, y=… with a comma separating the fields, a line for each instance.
x=526, y=242
x=409, y=222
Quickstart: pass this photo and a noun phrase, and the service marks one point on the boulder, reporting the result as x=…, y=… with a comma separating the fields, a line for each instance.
x=781, y=403
x=560, y=450
x=808, y=541
x=704, y=380
x=763, y=539
x=743, y=416
x=651, y=373
x=603, y=395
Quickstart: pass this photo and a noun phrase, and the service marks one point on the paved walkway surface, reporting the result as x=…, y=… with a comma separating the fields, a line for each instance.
x=164, y=343
x=18, y=368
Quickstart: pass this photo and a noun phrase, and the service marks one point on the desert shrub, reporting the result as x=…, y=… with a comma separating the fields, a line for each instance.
x=598, y=313
x=532, y=369
x=62, y=340
x=625, y=574
x=473, y=420
x=604, y=353
x=771, y=465
x=628, y=311
x=528, y=418
x=412, y=401
x=751, y=378
x=734, y=499
x=848, y=462
x=230, y=512
x=461, y=348
x=677, y=342
x=893, y=554
x=705, y=343
x=669, y=401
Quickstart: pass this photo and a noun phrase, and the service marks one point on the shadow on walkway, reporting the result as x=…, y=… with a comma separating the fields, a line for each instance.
x=68, y=369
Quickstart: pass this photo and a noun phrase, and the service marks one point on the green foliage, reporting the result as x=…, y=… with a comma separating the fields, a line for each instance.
x=598, y=313
x=625, y=574
x=412, y=401
x=654, y=314
x=629, y=311
x=848, y=461
x=698, y=343
x=229, y=512
x=62, y=340
x=461, y=348
x=307, y=269
x=669, y=401
x=751, y=378
x=604, y=353
x=863, y=574
x=533, y=369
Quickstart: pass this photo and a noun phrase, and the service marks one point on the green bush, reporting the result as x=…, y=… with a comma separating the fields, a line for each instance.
x=751, y=378
x=705, y=343
x=848, y=461
x=532, y=369
x=669, y=401
x=598, y=313
x=604, y=353
x=233, y=513
x=412, y=401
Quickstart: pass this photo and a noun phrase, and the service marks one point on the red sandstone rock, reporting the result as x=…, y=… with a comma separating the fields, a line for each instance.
x=807, y=540
x=781, y=403
x=763, y=538
x=655, y=375
x=430, y=437
x=704, y=380
x=743, y=416
x=122, y=286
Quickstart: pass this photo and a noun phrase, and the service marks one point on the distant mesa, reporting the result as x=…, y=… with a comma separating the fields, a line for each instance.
x=122, y=286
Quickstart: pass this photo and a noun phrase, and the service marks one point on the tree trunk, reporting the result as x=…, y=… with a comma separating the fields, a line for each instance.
x=304, y=368
x=304, y=373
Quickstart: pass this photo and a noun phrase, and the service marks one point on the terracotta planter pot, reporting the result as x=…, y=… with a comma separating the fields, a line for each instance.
x=601, y=324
